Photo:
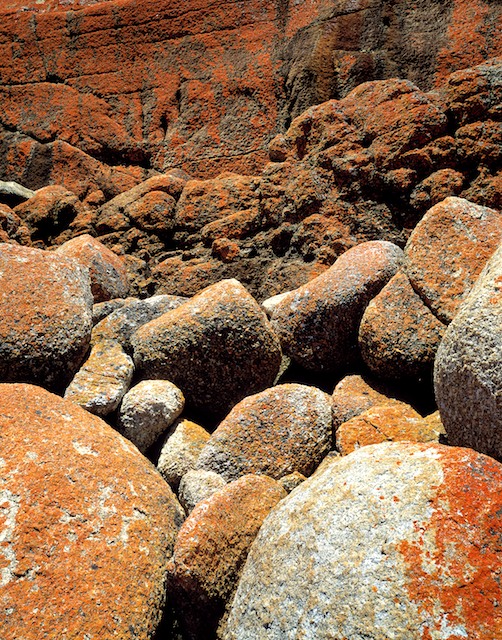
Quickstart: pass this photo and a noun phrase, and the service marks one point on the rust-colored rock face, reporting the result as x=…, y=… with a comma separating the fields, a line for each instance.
x=87, y=524
x=123, y=86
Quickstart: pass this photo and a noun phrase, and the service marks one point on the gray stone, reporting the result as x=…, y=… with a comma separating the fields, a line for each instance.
x=197, y=485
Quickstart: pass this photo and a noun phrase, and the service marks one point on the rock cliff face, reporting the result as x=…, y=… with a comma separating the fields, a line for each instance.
x=124, y=88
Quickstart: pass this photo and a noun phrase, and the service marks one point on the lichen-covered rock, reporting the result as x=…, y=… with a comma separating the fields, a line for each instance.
x=447, y=251
x=467, y=371
x=102, y=309
x=398, y=334
x=278, y=431
x=86, y=522
x=212, y=547
x=352, y=396
x=292, y=480
x=197, y=485
x=120, y=324
x=395, y=422
x=217, y=348
x=45, y=316
x=106, y=270
x=149, y=409
x=395, y=540
x=317, y=324
x=103, y=380
x=181, y=450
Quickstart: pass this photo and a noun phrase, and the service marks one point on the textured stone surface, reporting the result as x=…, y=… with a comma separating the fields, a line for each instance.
x=467, y=372
x=291, y=481
x=460, y=236
x=218, y=348
x=180, y=451
x=45, y=316
x=317, y=324
x=212, y=547
x=278, y=431
x=101, y=383
x=384, y=423
x=87, y=524
x=395, y=540
x=148, y=410
x=398, y=334
x=197, y=485
x=106, y=270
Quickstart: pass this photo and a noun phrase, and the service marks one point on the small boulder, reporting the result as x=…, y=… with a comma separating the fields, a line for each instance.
x=398, y=334
x=45, y=316
x=385, y=423
x=197, y=485
x=148, y=410
x=181, y=450
x=291, y=481
x=211, y=549
x=103, y=380
x=396, y=540
x=218, y=348
x=86, y=522
x=276, y=432
x=467, y=371
x=317, y=324
x=447, y=251
x=106, y=269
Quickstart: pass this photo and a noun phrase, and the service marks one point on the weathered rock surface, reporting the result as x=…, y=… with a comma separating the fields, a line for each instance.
x=45, y=316
x=398, y=334
x=87, y=524
x=317, y=324
x=217, y=348
x=197, y=485
x=467, y=371
x=461, y=236
x=281, y=430
x=212, y=547
x=395, y=540
x=149, y=409
x=103, y=380
x=395, y=422
x=107, y=270
x=181, y=450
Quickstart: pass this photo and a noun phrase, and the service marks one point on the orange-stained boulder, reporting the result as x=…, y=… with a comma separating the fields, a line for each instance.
x=45, y=316
x=212, y=547
x=384, y=423
x=87, y=524
x=281, y=430
x=447, y=251
x=317, y=324
x=217, y=348
x=106, y=270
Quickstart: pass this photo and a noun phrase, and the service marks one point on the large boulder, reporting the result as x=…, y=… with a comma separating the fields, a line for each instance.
x=467, y=371
x=87, y=524
x=396, y=540
x=45, y=316
x=217, y=348
x=281, y=430
x=317, y=324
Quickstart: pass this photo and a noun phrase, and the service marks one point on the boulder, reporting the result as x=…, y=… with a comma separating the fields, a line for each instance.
x=107, y=270
x=197, y=485
x=467, y=372
x=212, y=547
x=181, y=450
x=317, y=324
x=149, y=409
x=398, y=334
x=45, y=316
x=276, y=432
x=394, y=540
x=395, y=422
x=87, y=524
x=103, y=380
x=461, y=236
x=217, y=348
